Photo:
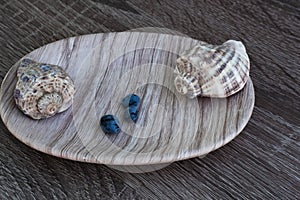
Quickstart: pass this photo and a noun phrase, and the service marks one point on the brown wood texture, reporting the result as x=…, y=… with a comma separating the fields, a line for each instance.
x=107, y=67
x=261, y=163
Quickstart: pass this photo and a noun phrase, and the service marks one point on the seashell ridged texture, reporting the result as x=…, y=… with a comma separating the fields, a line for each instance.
x=212, y=70
x=42, y=90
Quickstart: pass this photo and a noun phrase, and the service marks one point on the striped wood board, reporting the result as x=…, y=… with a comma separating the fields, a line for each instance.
x=107, y=67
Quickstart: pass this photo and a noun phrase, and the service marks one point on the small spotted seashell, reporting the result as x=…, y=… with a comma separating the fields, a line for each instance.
x=212, y=70
x=131, y=102
x=42, y=90
x=110, y=124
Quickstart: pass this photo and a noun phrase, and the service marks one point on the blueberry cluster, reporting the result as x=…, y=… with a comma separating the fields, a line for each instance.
x=110, y=124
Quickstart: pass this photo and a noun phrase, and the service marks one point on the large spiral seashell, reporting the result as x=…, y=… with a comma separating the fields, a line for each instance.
x=212, y=70
x=42, y=89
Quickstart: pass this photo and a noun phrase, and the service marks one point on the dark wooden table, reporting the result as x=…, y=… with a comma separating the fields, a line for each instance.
x=263, y=162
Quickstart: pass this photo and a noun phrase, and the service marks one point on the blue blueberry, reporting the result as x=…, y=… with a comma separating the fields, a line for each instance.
x=131, y=100
x=132, y=113
x=110, y=124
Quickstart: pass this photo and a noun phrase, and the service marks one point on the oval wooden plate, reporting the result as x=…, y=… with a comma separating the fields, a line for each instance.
x=107, y=67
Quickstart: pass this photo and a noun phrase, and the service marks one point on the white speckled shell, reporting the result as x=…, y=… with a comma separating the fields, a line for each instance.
x=42, y=89
x=212, y=70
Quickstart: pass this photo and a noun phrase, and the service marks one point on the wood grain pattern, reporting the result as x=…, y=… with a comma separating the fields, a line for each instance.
x=107, y=67
x=261, y=163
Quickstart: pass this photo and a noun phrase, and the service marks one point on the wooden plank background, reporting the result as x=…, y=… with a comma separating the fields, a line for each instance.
x=262, y=162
